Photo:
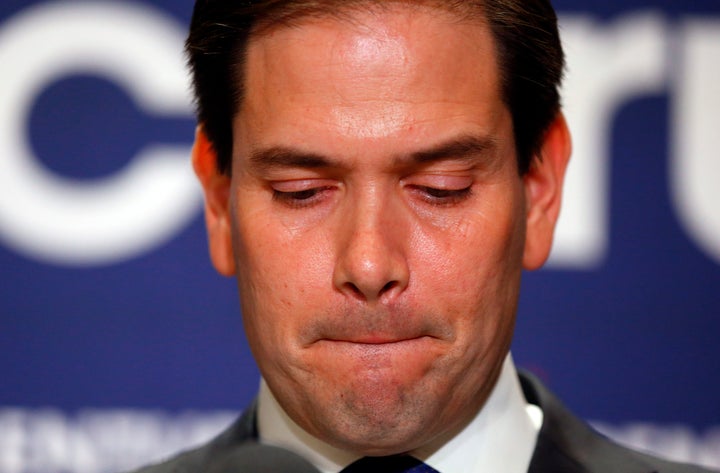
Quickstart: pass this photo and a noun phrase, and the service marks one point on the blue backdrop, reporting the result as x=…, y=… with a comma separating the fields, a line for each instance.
x=627, y=331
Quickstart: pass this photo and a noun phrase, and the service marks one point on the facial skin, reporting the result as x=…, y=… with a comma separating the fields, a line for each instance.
x=377, y=223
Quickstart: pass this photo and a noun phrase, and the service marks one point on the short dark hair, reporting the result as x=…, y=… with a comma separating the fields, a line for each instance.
x=530, y=58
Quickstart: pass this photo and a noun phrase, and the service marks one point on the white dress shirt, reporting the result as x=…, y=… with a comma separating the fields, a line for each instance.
x=500, y=439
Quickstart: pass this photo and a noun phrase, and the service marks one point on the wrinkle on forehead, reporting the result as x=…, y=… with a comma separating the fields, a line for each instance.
x=372, y=44
x=371, y=124
x=375, y=73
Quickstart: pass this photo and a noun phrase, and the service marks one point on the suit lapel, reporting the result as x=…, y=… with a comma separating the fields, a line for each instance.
x=566, y=444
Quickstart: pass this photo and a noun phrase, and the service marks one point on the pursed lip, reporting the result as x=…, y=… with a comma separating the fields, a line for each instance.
x=381, y=341
x=376, y=328
x=376, y=339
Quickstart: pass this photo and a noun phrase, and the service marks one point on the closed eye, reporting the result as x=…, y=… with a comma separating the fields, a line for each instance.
x=296, y=195
x=440, y=196
x=299, y=193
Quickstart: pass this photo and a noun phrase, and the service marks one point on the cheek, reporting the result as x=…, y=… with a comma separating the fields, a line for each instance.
x=472, y=272
x=281, y=274
x=472, y=253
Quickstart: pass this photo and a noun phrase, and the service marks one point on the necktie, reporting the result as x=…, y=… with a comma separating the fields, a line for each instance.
x=391, y=464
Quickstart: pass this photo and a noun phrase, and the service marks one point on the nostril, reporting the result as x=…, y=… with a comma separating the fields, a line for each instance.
x=387, y=287
x=355, y=291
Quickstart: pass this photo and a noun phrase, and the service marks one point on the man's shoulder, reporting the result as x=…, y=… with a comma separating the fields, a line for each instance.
x=568, y=444
x=198, y=459
x=187, y=462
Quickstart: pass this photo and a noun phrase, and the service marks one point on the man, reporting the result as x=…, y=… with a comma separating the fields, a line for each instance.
x=377, y=174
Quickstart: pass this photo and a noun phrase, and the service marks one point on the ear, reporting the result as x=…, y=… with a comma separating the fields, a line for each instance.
x=216, y=187
x=543, y=191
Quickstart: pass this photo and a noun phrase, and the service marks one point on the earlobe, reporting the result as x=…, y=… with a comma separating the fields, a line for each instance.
x=216, y=188
x=543, y=192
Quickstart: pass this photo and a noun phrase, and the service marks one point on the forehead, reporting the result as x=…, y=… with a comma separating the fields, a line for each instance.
x=372, y=72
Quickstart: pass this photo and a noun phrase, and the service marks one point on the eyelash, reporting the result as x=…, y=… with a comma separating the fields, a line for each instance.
x=298, y=199
x=443, y=197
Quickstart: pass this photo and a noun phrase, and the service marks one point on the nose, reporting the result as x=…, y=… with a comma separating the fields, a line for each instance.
x=372, y=263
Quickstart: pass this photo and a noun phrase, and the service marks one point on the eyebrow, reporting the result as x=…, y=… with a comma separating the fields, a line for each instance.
x=280, y=156
x=463, y=148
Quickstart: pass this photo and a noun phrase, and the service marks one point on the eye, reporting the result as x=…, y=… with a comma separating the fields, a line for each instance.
x=443, y=196
x=298, y=198
x=299, y=193
x=441, y=189
x=446, y=193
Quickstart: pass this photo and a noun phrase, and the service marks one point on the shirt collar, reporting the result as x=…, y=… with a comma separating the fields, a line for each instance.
x=500, y=438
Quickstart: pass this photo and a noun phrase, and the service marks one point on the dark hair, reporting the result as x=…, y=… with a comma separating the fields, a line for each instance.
x=526, y=35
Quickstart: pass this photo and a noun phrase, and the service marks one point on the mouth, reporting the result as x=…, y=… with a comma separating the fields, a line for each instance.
x=376, y=329
x=376, y=342
x=377, y=339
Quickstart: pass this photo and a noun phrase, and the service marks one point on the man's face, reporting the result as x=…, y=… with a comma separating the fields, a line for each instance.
x=376, y=223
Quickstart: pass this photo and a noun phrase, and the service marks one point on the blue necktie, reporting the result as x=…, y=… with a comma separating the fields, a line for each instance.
x=391, y=464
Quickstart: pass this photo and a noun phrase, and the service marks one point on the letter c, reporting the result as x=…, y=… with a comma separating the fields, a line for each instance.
x=62, y=221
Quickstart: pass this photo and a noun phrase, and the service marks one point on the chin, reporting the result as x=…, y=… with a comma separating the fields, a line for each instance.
x=378, y=442
x=378, y=422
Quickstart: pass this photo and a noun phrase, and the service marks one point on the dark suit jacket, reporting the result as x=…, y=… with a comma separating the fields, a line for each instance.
x=565, y=444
